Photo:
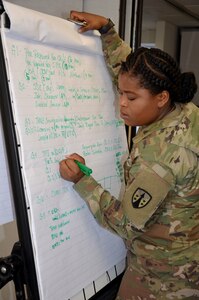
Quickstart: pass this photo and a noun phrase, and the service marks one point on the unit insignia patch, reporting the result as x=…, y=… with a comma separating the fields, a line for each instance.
x=140, y=198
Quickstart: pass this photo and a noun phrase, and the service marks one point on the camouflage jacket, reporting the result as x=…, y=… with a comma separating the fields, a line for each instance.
x=162, y=184
x=158, y=215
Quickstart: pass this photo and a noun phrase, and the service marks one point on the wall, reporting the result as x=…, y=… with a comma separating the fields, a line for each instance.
x=166, y=37
x=62, y=8
x=59, y=8
x=189, y=55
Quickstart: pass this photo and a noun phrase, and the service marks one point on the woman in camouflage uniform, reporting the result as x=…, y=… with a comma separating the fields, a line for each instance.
x=158, y=217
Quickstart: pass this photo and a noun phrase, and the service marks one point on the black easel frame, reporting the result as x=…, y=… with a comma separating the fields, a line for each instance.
x=17, y=183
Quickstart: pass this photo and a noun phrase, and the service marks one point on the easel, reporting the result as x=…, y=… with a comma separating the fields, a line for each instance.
x=11, y=268
x=19, y=266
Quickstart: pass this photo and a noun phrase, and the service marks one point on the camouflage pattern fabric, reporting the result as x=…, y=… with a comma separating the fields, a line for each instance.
x=158, y=216
x=115, y=51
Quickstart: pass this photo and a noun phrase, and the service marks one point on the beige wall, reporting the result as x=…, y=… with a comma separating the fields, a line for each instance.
x=189, y=55
x=166, y=37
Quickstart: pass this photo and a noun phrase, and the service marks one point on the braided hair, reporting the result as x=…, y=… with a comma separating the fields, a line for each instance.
x=157, y=71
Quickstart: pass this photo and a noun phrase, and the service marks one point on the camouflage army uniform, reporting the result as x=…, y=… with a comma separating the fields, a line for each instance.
x=158, y=217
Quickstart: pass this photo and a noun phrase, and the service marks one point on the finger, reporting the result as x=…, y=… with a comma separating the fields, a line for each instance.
x=76, y=15
x=69, y=169
x=84, y=29
x=76, y=156
x=64, y=170
x=66, y=167
x=72, y=166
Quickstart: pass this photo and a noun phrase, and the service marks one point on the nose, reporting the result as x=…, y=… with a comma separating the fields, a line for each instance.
x=123, y=101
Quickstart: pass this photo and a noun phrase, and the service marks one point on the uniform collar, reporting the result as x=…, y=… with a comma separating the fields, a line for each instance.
x=170, y=120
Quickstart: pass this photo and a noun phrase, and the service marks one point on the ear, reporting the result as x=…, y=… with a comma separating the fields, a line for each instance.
x=163, y=98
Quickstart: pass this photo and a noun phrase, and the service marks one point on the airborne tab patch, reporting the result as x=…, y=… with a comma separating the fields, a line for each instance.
x=140, y=198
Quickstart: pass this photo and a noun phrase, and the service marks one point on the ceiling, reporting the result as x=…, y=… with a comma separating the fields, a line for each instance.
x=162, y=10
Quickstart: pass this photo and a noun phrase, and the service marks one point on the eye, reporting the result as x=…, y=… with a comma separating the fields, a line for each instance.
x=131, y=98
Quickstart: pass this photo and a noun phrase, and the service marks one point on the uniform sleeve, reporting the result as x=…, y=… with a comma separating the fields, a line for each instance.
x=115, y=51
x=147, y=189
x=106, y=209
x=149, y=185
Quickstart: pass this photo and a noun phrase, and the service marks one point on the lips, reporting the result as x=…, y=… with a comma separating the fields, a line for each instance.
x=123, y=115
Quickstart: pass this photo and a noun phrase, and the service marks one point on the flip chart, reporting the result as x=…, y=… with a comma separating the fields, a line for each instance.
x=63, y=102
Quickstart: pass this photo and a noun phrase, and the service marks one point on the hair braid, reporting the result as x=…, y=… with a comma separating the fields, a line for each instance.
x=158, y=71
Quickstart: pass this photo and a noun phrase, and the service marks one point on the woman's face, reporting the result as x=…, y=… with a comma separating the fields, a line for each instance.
x=138, y=106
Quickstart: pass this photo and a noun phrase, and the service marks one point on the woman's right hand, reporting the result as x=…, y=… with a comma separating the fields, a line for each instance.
x=93, y=21
x=69, y=170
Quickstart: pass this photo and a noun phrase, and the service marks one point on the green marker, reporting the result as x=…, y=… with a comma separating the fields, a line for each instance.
x=87, y=171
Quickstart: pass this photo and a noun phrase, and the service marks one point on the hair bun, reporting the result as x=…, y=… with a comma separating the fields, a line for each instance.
x=188, y=86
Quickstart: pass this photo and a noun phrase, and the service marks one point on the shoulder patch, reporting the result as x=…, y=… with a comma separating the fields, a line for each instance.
x=143, y=197
x=140, y=198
